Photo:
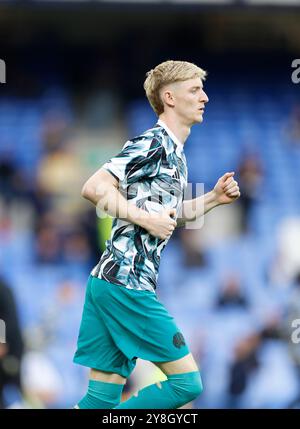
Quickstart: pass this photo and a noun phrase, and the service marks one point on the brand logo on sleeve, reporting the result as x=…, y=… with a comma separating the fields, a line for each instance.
x=178, y=340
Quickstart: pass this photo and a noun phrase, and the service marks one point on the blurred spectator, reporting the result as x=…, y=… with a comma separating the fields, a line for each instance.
x=61, y=241
x=272, y=329
x=54, y=130
x=293, y=313
x=286, y=261
x=8, y=172
x=76, y=247
x=90, y=224
x=49, y=347
x=60, y=178
x=193, y=255
x=231, y=294
x=245, y=362
x=13, y=183
x=40, y=391
x=293, y=127
x=54, y=317
x=102, y=107
x=48, y=242
x=12, y=351
x=249, y=176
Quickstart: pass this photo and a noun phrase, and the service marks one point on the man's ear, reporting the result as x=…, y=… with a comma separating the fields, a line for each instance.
x=167, y=97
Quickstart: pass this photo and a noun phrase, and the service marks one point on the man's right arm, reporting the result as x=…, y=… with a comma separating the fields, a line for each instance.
x=102, y=189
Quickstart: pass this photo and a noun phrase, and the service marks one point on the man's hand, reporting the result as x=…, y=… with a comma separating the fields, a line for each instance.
x=161, y=225
x=226, y=189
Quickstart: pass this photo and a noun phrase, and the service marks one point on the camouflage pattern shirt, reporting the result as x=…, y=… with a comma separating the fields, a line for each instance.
x=152, y=174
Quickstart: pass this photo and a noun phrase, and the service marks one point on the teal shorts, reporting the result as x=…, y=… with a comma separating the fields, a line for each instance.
x=120, y=325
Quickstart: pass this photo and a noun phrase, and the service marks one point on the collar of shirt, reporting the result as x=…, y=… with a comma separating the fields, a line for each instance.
x=172, y=135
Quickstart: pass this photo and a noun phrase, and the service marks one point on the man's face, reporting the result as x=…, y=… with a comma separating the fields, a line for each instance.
x=188, y=100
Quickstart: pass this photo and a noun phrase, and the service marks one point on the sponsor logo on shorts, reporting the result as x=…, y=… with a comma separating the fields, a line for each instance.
x=178, y=340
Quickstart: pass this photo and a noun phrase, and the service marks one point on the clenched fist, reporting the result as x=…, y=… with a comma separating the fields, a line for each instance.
x=161, y=225
x=227, y=189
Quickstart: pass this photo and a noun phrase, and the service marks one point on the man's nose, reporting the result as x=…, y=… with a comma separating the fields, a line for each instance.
x=204, y=97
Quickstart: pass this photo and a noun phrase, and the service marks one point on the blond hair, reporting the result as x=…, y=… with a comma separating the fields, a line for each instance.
x=165, y=73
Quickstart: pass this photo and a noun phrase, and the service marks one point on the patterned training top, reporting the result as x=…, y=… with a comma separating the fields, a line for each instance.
x=152, y=174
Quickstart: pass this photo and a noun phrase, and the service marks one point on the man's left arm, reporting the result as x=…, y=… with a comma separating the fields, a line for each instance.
x=225, y=191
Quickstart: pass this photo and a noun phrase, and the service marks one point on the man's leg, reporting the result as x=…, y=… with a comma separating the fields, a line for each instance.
x=183, y=385
x=97, y=349
x=104, y=391
x=185, y=364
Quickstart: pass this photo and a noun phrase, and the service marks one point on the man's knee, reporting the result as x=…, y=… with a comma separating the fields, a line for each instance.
x=187, y=386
